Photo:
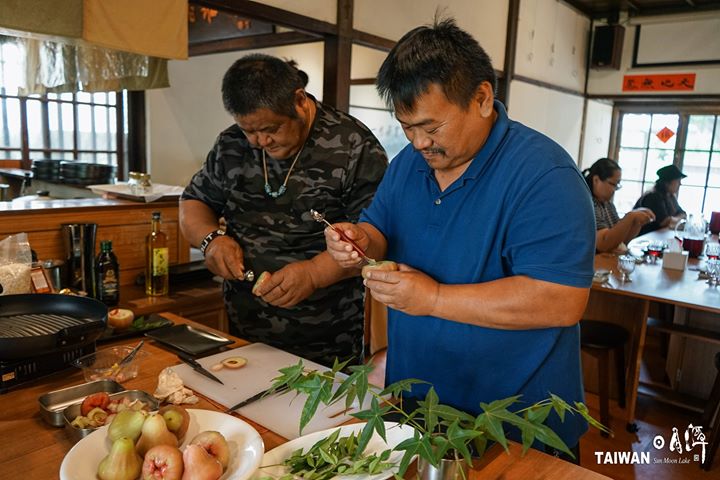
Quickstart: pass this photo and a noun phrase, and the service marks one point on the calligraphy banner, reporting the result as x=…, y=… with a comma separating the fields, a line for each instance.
x=659, y=83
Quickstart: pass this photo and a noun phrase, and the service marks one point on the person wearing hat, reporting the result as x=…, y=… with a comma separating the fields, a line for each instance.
x=662, y=200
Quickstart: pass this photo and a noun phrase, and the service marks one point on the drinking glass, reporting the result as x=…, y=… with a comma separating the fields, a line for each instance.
x=626, y=264
x=655, y=249
x=712, y=251
x=712, y=267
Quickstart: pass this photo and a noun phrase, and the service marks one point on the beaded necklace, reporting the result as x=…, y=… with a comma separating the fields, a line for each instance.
x=283, y=188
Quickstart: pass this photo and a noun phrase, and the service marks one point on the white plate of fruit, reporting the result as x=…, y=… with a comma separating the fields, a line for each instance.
x=214, y=445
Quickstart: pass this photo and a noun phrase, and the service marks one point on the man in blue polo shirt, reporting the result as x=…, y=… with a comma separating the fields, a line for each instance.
x=493, y=228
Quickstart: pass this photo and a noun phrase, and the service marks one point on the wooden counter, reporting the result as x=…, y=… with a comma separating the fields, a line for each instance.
x=32, y=449
x=124, y=222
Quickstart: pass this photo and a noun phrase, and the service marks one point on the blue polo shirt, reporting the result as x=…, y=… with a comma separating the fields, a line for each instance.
x=521, y=208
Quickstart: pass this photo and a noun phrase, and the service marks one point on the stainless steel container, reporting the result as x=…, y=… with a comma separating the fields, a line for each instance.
x=79, y=239
x=72, y=411
x=52, y=404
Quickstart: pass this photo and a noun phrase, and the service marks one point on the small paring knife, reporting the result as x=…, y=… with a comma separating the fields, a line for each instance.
x=197, y=367
x=254, y=398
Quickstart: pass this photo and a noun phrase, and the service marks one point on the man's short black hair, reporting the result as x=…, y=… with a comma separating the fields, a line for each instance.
x=442, y=54
x=261, y=81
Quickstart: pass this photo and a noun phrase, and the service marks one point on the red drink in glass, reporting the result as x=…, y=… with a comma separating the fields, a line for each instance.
x=694, y=246
x=655, y=251
x=715, y=222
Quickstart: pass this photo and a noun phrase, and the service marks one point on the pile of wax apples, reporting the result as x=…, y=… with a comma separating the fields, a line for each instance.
x=146, y=446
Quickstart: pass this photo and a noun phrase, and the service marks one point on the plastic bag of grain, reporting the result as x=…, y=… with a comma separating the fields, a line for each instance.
x=15, y=265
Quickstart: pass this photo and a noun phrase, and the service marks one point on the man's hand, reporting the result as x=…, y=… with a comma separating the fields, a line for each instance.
x=407, y=290
x=224, y=257
x=340, y=250
x=288, y=286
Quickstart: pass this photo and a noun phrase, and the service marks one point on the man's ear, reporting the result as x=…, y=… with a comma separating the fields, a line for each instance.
x=485, y=98
x=300, y=98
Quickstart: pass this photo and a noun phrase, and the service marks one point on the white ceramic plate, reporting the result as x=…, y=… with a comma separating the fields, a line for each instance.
x=394, y=433
x=246, y=447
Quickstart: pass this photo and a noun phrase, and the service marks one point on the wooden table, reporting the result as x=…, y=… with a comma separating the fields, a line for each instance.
x=34, y=450
x=628, y=303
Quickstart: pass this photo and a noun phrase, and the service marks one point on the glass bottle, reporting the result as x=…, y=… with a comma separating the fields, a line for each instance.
x=107, y=274
x=157, y=260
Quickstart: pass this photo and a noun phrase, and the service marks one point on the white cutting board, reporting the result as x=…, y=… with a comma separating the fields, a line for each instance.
x=279, y=413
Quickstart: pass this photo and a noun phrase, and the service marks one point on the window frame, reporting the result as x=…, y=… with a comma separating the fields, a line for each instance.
x=683, y=109
x=27, y=153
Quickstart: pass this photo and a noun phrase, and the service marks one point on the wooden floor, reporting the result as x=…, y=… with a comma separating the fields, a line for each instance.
x=654, y=418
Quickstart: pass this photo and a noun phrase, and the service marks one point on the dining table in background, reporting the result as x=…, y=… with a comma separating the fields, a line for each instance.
x=33, y=449
x=628, y=303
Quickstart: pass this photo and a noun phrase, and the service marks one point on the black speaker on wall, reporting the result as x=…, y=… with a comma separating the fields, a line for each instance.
x=607, y=46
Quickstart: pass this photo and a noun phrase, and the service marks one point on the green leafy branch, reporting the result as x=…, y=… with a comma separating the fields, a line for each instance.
x=440, y=431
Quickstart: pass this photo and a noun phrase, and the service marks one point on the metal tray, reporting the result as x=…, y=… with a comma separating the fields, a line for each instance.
x=193, y=341
x=53, y=403
x=72, y=411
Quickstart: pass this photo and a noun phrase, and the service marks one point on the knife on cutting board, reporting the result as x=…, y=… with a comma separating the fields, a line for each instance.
x=197, y=367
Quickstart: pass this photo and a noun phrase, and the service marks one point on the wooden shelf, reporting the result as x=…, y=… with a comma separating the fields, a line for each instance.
x=684, y=331
x=663, y=393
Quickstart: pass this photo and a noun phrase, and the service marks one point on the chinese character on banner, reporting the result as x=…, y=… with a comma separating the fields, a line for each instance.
x=665, y=134
x=659, y=82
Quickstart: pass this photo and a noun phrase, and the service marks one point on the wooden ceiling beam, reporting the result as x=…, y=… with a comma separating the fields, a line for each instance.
x=273, y=15
x=252, y=42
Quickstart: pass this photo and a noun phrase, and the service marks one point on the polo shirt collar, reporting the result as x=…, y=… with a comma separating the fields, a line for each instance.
x=497, y=134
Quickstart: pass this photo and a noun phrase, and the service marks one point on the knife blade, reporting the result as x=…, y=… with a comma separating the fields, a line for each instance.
x=198, y=368
x=254, y=398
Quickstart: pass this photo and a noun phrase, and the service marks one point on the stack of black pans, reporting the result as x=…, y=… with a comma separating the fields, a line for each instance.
x=46, y=169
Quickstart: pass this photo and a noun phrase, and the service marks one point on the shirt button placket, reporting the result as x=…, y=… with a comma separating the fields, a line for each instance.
x=438, y=201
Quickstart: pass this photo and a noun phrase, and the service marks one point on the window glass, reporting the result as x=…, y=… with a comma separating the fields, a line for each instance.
x=691, y=198
x=695, y=166
x=635, y=130
x=700, y=132
x=84, y=97
x=661, y=122
x=62, y=125
x=9, y=116
x=712, y=201
x=632, y=162
x=714, y=177
x=86, y=139
x=35, y=124
x=716, y=139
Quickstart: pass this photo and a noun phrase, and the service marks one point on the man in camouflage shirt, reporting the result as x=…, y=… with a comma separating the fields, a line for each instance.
x=286, y=154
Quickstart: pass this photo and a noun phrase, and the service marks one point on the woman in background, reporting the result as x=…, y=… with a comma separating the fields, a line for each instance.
x=603, y=179
x=662, y=200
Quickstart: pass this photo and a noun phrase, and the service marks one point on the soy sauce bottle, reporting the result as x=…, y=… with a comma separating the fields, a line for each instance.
x=107, y=274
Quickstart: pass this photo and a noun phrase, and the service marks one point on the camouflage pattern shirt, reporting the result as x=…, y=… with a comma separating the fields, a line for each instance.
x=337, y=173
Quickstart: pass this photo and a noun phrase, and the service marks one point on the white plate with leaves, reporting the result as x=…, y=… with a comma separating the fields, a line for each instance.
x=272, y=467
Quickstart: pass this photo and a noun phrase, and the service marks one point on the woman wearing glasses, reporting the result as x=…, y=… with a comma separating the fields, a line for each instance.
x=603, y=179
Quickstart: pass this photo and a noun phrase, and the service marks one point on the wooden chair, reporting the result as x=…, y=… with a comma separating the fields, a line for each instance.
x=599, y=339
x=711, y=419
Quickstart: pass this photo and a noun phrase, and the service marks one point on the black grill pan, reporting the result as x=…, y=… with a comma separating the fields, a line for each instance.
x=36, y=324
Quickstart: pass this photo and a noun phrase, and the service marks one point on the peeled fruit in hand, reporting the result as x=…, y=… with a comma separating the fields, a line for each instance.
x=127, y=423
x=120, y=318
x=155, y=432
x=388, y=265
x=163, y=462
x=215, y=444
x=264, y=277
x=177, y=420
x=122, y=463
x=200, y=465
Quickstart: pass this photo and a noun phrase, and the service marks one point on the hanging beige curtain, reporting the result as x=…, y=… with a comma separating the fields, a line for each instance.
x=56, y=67
x=95, y=45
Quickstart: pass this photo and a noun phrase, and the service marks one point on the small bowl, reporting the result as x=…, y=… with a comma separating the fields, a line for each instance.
x=103, y=364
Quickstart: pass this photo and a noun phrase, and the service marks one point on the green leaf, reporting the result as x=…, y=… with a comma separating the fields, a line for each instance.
x=317, y=391
x=501, y=404
x=492, y=428
x=538, y=415
x=427, y=408
x=459, y=438
x=451, y=414
x=548, y=437
x=396, y=389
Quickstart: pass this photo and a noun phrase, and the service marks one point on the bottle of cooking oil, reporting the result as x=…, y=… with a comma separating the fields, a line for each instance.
x=157, y=260
x=107, y=275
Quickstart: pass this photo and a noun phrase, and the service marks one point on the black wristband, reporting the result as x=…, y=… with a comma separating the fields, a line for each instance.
x=209, y=238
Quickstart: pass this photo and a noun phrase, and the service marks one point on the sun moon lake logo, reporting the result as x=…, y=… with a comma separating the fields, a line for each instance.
x=692, y=439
